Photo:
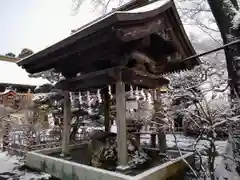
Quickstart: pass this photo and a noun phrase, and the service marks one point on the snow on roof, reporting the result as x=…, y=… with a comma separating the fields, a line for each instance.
x=11, y=73
x=149, y=7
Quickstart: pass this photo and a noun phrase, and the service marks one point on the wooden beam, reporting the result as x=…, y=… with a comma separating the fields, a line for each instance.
x=121, y=125
x=100, y=79
x=93, y=80
x=142, y=79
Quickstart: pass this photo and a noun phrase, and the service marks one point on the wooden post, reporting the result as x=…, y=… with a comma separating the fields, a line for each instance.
x=138, y=138
x=121, y=126
x=153, y=140
x=66, y=124
x=162, y=143
x=106, y=102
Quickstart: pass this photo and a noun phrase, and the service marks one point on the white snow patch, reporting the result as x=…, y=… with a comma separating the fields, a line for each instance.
x=149, y=7
x=11, y=73
x=236, y=21
x=9, y=166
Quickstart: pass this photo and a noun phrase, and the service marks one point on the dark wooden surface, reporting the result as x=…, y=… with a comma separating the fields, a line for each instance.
x=101, y=79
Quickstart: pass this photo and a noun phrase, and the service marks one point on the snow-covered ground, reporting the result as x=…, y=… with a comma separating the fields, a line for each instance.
x=11, y=169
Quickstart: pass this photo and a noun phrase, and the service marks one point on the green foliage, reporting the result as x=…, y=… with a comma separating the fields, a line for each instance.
x=25, y=52
x=10, y=54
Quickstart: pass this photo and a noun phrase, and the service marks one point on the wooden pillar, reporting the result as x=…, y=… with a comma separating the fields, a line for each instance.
x=162, y=144
x=138, y=138
x=121, y=125
x=153, y=140
x=106, y=102
x=66, y=124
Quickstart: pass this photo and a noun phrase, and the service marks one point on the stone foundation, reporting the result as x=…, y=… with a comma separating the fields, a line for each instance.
x=65, y=169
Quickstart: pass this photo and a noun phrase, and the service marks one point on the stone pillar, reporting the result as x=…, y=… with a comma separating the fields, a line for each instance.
x=66, y=124
x=121, y=126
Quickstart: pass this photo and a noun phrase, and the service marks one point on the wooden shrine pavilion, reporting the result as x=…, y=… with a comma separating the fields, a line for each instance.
x=127, y=46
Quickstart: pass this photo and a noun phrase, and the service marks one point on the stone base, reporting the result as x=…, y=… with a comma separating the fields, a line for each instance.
x=122, y=168
x=72, y=170
x=65, y=156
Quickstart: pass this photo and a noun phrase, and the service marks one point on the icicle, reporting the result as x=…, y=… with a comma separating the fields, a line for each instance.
x=99, y=96
x=80, y=98
x=110, y=92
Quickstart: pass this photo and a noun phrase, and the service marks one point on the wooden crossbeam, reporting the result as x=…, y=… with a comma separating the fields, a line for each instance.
x=103, y=78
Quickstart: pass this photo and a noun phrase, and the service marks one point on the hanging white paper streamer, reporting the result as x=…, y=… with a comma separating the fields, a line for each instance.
x=131, y=91
x=80, y=98
x=71, y=97
x=143, y=95
x=99, y=96
x=155, y=94
x=88, y=98
x=137, y=94
x=110, y=92
x=149, y=98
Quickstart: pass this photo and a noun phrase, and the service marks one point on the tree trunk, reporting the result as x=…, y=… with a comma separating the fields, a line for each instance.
x=224, y=13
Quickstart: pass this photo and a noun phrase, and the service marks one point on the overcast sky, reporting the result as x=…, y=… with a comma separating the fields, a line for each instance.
x=36, y=24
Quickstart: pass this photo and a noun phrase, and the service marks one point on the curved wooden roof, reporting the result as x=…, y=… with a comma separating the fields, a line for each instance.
x=104, y=42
